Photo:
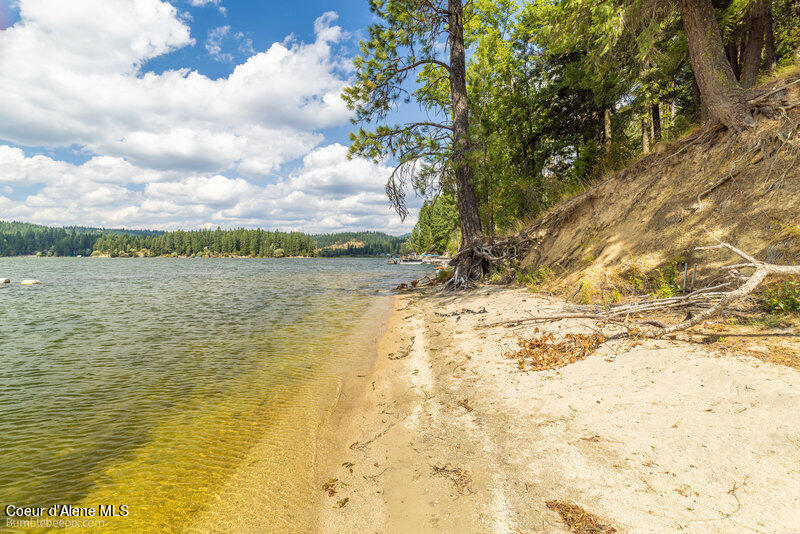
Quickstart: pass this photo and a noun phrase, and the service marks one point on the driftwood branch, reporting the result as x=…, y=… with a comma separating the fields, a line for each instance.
x=701, y=305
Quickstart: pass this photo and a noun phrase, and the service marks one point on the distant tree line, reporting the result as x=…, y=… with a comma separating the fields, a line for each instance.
x=437, y=229
x=357, y=244
x=22, y=239
x=239, y=242
x=18, y=239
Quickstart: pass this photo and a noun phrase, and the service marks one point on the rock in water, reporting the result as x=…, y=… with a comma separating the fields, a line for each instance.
x=30, y=282
x=5, y=281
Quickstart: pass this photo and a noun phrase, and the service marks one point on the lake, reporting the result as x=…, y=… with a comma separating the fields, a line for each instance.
x=151, y=383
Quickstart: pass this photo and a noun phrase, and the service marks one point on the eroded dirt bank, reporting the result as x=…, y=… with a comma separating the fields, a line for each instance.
x=446, y=434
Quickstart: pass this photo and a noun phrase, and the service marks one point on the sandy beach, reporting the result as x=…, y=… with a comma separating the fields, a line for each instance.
x=446, y=434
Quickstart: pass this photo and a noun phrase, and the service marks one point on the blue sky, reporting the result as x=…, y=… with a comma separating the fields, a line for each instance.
x=184, y=114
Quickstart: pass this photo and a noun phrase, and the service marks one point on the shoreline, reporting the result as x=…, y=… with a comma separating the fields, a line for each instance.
x=272, y=489
x=446, y=434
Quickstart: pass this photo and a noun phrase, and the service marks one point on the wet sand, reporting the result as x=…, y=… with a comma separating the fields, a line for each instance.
x=273, y=490
x=445, y=434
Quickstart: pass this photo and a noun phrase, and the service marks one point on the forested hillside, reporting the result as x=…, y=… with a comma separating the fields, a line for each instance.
x=18, y=239
x=559, y=94
x=637, y=231
x=239, y=242
x=357, y=244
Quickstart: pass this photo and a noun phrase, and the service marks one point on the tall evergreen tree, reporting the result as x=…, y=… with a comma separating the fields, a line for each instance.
x=425, y=37
x=723, y=96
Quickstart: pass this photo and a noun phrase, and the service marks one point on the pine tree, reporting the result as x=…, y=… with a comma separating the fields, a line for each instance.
x=412, y=37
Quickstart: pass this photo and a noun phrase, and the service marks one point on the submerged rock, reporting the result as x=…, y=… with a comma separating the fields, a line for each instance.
x=30, y=282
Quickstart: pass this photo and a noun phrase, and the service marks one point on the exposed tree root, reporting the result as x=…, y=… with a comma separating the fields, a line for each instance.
x=473, y=262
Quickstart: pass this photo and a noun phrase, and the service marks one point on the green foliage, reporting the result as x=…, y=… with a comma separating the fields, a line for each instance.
x=357, y=244
x=20, y=239
x=23, y=239
x=209, y=243
x=407, y=247
x=542, y=77
x=787, y=231
x=405, y=41
x=533, y=277
x=437, y=227
x=782, y=297
x=786, y=16
x=444, y=275
x=496, y=276
x=541, y=80
x=664, y=282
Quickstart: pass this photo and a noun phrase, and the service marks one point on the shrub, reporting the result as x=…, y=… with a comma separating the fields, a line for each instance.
x=533, y=277
x=782, y=297
x=616, y=296
x=661, y=283
x=665, y=281
x=443, y=275
x=496, y=276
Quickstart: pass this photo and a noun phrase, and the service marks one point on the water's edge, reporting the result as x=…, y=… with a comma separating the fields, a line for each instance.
x=192, y=392
x=256, y=498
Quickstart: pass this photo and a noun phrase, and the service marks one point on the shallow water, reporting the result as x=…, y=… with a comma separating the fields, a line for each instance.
x=151, y=382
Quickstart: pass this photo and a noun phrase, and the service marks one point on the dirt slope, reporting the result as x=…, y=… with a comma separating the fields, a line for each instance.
x=743, y=187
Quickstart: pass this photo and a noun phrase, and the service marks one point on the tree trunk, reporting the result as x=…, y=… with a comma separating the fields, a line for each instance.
x=698, y=100
x=751, y=61
x=465, y=188
x=645, y=135
x=607, y=126
x=656, y=123
x=732, y=53
x=770, y=57
x=721, y=93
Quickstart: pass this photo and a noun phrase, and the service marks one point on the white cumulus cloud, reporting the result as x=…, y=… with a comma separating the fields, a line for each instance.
x=71, y=73
x=175, y=149
x=214, y=43
x=328, y=192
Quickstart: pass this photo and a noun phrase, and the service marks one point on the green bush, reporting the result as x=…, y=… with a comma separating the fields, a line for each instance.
x=665, y=281
x=533, y=277
x=496, y=276
x=782, y=297
x=444, y=275
x=661, y=283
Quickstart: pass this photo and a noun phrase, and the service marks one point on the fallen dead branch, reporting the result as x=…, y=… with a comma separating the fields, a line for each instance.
x=699, y=305
x=364, y=444
x=772, y=92
x=464, y=311
x=761, y=271
x=464, y=403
